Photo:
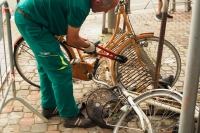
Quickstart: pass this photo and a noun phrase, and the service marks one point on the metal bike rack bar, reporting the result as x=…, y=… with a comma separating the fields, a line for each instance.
x=161, y=41
x=191, y=81
x=10, y=71
x=112, y=19
x=186, y=2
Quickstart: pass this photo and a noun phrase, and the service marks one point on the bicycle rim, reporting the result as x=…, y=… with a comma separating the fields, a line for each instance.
x=161, y=110
x=26, y=64
x=138, y=76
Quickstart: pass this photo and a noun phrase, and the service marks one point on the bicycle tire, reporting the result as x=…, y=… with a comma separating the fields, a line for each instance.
x=25, y=62
x=132, y=74
x=160, y=118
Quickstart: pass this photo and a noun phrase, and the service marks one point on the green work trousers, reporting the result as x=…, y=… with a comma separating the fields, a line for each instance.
x=55, y=73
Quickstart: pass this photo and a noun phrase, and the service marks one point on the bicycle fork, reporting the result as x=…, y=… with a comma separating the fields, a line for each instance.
x=140, y=114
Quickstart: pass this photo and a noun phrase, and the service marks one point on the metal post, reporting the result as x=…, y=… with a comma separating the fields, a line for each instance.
x=173, y=5
x=111, y=20
x=198, y=125
x=104, y=29
x=128, y=6
x=126, y=9
x=161, y=41
x=187, y=5
x=190, y=88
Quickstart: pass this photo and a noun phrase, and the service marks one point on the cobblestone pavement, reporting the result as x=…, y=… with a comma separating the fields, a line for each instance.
x=17, y=118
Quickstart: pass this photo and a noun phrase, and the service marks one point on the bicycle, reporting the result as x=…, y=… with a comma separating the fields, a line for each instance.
x=154, y=111
x=139, y=49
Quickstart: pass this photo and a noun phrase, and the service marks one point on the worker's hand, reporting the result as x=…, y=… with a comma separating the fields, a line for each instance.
x=91, y=49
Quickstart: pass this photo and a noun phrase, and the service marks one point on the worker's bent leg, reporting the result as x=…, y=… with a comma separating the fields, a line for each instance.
x=53, y=67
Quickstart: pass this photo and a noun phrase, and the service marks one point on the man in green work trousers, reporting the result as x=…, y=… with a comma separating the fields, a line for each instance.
x=38, y=22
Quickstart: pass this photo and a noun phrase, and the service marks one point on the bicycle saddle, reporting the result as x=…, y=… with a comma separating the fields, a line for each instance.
x=166, y=81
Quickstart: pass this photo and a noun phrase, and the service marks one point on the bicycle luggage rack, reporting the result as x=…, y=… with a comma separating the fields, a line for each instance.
x=138, y=78
x=9, y=79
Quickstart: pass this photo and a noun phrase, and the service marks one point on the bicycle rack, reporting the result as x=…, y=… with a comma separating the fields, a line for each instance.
x=11, y=81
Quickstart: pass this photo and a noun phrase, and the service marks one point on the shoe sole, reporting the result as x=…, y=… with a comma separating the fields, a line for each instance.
x=48, y=117
x=70, y=126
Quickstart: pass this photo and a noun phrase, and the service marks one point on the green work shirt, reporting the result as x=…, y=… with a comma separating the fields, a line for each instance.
x=56, y=15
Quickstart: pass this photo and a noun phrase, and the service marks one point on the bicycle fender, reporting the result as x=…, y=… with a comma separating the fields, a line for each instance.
x=144, y=35
x=17, y=40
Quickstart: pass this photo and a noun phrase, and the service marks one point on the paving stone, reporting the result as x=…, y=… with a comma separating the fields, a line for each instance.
x=80, y=130
x=52, y=132
x=38, y=102
x=17, y=103
x=87, y=86
x=66, y=132
x=28, y=114
x=3, y=115
x=63, y=129
x=25, y=87
x=7, y=109
x=78, y=95
x=52, y=127
x=85, y=90
x=23, y=92
x=1, y=129
x=25, y=128
x=18, y=78
x=26, y=121
x=77, y=90
x=13, y=121
x=37, y=128
x=77, y=86
x=3, y=122
x=33, y=88
x=103, y=130
x=87, y=82
x=24, y=83
x=18, y=109
x=10, y=103
x=14, y=115
x=11, y=129
x=92, y=130
x=33, y=97
x=33, y=103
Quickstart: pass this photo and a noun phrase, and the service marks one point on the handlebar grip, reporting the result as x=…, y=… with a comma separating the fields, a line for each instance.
x=96, y=43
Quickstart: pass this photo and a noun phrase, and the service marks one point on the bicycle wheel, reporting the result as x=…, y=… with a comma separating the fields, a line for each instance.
x=137, y=76
x=25, y=62
x=161, y=110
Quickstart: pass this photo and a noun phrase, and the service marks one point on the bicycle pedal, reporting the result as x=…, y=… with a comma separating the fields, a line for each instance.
x=75, y=61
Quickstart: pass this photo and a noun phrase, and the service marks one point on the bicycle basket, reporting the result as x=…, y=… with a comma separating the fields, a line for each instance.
x=100, y=106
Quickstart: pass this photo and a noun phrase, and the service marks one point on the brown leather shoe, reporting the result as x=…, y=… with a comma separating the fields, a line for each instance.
x=48, y=113
x=78, y=121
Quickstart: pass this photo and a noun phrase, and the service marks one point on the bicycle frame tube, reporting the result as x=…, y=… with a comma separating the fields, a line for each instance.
x=137, y=110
